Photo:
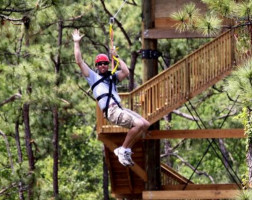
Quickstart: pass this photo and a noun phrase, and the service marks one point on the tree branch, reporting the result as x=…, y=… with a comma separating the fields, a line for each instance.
x=11, y=99
x=179, y=113
x=8, y=149
x=7, y=188
x=15, y=10
x=87, y=93
x=11, y=19
x=222, y=91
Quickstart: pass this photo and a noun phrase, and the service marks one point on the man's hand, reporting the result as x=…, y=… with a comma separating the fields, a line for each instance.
x=113, y=52
x=76, y=35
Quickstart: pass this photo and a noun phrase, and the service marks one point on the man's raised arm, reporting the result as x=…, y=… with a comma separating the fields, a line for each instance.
x=78, y=57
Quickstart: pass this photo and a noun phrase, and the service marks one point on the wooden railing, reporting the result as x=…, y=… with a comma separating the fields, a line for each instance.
x=185, y=79
x=170, y=177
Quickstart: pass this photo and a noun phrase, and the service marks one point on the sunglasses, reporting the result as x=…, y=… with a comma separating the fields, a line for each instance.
x=102, y=63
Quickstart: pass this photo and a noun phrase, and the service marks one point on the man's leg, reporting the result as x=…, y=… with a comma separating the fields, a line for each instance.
x=124, y=152
x=137, y=126
x=134, y=133
x=143, y=127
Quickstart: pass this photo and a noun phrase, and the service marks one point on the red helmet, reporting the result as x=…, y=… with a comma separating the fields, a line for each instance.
x=101, y=57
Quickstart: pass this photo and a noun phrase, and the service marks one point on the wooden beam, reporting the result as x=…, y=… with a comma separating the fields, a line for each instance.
x=169, y=33
x=126, y=196
x=198, y=133
x=111, y=146
x=201, y=187
x=191, y=194
x=109, y=167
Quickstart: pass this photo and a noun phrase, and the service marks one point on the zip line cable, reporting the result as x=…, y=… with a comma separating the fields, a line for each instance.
x=114, y=16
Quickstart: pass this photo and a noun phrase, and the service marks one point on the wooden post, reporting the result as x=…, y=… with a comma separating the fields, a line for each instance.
x=150, y=69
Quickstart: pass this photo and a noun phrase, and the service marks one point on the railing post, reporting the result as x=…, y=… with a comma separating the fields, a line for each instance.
x=187, y=79
x=99, y=119
x=233, y=47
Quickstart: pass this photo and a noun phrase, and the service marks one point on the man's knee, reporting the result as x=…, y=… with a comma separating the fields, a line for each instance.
x=146, y=124
x=138, y=123
x=143, y=125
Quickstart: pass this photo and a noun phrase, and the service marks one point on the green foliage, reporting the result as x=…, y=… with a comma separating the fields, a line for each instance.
x=210, y=24
x=182, y=17
x=223, y=8
x=244, y=195
x=240, y=83
x=244, y=10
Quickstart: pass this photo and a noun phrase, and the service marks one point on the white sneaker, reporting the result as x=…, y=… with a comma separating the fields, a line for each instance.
x=124, y=156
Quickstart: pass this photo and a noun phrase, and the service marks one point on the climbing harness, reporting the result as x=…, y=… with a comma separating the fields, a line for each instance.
x=211, y=145
x=112, y=82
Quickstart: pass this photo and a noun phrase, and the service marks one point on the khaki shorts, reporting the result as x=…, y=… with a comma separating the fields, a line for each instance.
x=122, y=116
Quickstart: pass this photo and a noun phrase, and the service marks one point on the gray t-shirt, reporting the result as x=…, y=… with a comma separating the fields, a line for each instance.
x=101, y=88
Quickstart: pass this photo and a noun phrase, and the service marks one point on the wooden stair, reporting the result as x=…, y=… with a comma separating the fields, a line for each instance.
x=157, y=97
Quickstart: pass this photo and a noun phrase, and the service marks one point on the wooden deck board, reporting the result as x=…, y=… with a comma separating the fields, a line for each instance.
x=199, y=133
x=191, y=194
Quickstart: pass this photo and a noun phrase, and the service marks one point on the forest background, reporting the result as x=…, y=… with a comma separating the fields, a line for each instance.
x=48, y=145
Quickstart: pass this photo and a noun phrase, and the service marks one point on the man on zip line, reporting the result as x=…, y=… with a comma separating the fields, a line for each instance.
x=103, y=85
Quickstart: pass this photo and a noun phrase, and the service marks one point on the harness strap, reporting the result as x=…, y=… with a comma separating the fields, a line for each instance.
x=102, y=96
x=109, y=94
x=109, y=97
x=99, y=81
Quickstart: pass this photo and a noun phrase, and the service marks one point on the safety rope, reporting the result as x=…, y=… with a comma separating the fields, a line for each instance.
x=111, y=33
x=211, y=145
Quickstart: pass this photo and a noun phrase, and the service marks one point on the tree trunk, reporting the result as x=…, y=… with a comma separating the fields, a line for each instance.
x=56, y=150
x=8, y=149
x=225, y=154
x=105, y=178
x=150, y=69
x=28, y=142
x=17, y=138
x=134, y=56
x=249, y=162
x=20, y=158
x=249, y=149
x=57, y=63
x=167, y=143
